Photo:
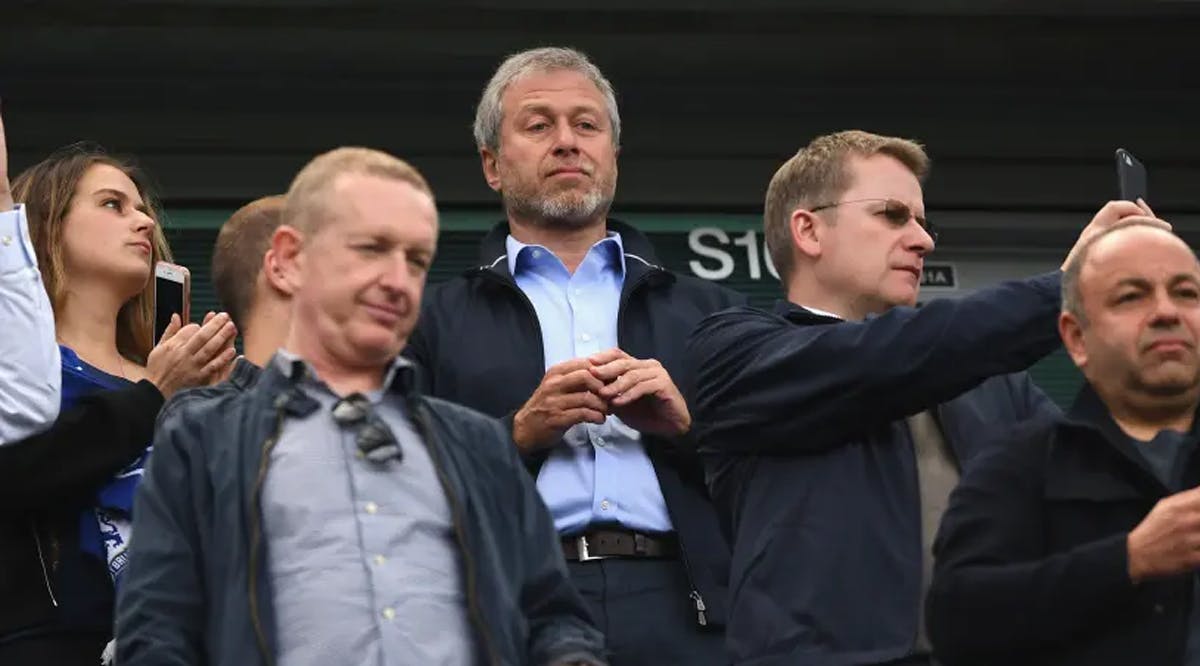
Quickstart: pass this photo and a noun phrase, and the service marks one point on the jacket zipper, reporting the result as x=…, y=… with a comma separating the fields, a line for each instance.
x=256, y=535
x=696, y=598
x=37, y=539
x=459, y=535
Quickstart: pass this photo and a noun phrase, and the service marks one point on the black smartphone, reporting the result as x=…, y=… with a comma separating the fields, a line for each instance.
x=1131, y=176
x=172, y=284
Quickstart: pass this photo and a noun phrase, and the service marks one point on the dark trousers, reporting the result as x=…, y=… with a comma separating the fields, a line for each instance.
x=643, y=608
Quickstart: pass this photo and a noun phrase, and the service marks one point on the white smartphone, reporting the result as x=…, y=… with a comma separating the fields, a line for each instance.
x=172, y=295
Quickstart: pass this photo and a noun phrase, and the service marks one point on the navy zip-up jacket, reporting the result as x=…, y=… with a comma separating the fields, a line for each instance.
x=800, y=420
x=479, y=344
x=197, y=590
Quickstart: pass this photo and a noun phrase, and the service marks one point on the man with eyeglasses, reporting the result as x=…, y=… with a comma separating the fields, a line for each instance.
x=834, y=427
x=328, y=513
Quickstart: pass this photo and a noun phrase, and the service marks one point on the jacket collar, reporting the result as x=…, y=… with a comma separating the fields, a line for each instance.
x=1089, y=414
x=640, y=257
x=244, y=374
x=492, y=253
x=280, y=381
x=798, y=314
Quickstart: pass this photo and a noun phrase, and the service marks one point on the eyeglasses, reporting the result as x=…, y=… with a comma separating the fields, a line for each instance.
x=897, y=213
x=372, y=436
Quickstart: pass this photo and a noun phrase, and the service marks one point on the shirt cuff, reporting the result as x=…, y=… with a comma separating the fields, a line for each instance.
x=16, y=247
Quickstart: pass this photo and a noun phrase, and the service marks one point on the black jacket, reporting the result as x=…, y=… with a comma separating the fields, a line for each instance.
x=196, y=590
x=480, y=345
x=798, y=416
x=1032, y=566
x=46, y=481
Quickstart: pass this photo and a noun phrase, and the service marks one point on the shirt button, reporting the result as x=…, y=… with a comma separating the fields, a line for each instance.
x=537, y=254
x=585, y=337
x=579, y=292
x=7, y=240
x=389, y=613
x=600, y=441
x=604, y=505
x=379, y=559
x=1158, y=609
x=371, y=507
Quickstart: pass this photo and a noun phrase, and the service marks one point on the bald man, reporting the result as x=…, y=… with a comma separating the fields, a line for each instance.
x=1079, y=542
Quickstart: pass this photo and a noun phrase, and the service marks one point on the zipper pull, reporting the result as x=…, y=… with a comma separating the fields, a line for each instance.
x=701, y=616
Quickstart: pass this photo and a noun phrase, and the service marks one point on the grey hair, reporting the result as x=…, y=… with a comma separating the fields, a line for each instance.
x=489, y=114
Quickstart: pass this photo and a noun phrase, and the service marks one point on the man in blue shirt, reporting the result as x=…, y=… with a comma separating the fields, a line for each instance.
x=572, y=333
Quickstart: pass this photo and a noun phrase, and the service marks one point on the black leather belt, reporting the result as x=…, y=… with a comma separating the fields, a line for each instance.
x=603, y=544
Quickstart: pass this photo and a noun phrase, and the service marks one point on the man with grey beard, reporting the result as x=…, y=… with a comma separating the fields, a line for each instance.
x=571, y=332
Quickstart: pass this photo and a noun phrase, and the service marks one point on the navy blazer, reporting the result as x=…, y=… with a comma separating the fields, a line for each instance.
x=799, y=418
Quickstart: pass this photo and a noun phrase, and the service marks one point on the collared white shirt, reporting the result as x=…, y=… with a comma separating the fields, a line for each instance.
x=30, y=376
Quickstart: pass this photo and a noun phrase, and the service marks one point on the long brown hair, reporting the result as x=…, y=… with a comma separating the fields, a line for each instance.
x=47, y=190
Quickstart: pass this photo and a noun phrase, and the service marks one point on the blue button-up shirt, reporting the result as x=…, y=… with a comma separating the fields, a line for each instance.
x=362, y=558
x=602, y=474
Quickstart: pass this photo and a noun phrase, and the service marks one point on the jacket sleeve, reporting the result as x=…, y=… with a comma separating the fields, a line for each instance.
x=1035, y=403
x=765, y=385
x=992, y=568
x=160, y=611
x=560, y=628
x=86, y=445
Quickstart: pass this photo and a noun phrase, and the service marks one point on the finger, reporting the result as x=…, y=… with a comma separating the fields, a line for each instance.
x=627, y=381
x=216, y=367
x=579, y=380
x=1115, y=210
x=6, y=202
x=584, y=415
x=207, y=332
x=218, y=343
x=614, y=369
x=639, y=391
x=581, y=399
x=608, y=356
x=1142, y=219
x=209, y=317
x=171, y=329
x=566, y=367
x=1145, y=207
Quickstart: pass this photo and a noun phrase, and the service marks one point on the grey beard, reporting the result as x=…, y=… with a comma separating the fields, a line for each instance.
x=562, y=211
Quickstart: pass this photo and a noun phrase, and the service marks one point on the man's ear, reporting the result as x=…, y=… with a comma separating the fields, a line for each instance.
x=491, y=172
x=1070, y=329
x=272, y=272
x=283, y=261
x=807, y=232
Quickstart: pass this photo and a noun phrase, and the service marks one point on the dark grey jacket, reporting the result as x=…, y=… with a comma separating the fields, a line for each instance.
x=197, y=591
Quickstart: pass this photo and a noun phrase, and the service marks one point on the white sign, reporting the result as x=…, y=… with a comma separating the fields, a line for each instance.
x=720, y=254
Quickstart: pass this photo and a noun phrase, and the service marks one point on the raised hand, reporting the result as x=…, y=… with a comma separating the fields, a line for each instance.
x=1114, y=214
x=192, y=355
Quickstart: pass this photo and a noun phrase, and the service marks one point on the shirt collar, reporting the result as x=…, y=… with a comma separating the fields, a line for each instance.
x=400, y=376
x=521, y=256
x=823, y=313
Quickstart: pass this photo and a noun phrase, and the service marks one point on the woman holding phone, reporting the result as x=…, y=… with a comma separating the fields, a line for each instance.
x=66, y=494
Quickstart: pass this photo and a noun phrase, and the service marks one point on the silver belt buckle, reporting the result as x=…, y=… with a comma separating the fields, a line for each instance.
x=581, y=545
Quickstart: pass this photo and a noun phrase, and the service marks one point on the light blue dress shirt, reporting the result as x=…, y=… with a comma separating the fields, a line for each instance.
x=601, y=474
x=30, y=375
